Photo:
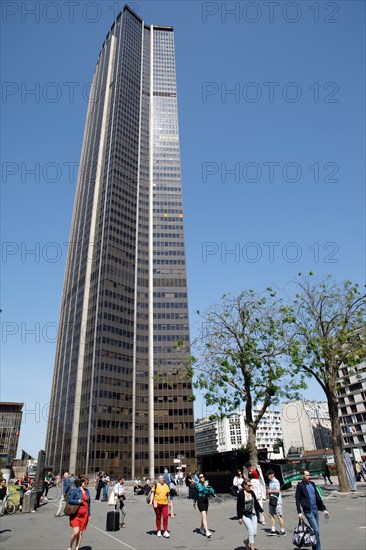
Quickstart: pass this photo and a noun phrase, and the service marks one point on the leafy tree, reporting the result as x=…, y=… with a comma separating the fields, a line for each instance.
x=240, y=358
x=327, y=333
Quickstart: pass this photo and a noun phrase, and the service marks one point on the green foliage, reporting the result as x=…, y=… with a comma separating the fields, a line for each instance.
x=326, y=328
x=242, y=355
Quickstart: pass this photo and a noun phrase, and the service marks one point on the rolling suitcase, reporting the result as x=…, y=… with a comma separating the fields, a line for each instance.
x=113, y=521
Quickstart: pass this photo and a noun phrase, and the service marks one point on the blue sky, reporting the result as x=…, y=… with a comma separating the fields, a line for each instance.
x=272, y=142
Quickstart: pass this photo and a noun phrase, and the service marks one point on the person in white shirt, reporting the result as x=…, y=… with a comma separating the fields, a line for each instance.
x=238, y=482
x=260, y=493
x=119, y=492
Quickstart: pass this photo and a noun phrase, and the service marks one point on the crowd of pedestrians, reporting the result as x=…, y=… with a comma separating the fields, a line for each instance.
x=250, y=492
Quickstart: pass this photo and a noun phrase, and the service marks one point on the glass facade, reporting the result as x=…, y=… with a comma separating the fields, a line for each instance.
x=116, y=403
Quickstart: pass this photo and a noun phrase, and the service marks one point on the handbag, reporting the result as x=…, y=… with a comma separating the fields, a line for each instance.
x=303, y=535
x=71, y=509
x=234, y=490
x=273, y=500
x=112, y=499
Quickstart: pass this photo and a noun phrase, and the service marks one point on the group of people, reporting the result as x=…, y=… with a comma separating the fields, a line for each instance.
x=250, y=504
x=250, y=493
x=161, y=499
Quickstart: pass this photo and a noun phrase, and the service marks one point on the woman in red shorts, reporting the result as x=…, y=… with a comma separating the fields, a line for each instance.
x=78, y=522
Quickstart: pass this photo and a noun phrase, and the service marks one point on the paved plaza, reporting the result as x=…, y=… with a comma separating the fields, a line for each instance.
x=41, y=531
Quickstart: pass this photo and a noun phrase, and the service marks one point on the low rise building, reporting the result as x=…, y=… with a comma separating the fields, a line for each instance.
x=231, y=432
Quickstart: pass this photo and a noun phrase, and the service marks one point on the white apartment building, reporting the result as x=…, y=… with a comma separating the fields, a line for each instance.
x=306, y=425
x=352, y=407
x=231, y=433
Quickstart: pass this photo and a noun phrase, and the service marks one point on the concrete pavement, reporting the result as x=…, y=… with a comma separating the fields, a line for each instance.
x=41, y=531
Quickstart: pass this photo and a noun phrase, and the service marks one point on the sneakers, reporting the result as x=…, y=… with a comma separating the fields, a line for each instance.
x=20, y=508
x=272, y=533
x=208, y=534
x=282, y=533
x=166, y=535
x=123, y=525
x=158, y=534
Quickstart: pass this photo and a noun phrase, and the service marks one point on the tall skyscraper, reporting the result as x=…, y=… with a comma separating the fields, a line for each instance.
x=117, y=403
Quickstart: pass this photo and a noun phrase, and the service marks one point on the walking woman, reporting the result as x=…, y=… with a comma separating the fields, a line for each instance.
x=247, y=508
x=78, y=522
x=201, y=493
x=160, y=498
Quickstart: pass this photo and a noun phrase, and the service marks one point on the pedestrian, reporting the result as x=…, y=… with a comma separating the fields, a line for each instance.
x=247, y=509
x=98, y=486
x=359, y=471
x=3, y=496
x=119, y=492
x=23, y=484
x=237, y=482
x=46, y=485
x=79, y=521
x=259, y=491
x=308, y=501
x=168, y=479
x=160, y=498
x=106, y=480
x=326, y=474
x=189, y=481
x=275, y=504
x=202, y=490
x=65, y=493
x=147, y=487
x=252, y=470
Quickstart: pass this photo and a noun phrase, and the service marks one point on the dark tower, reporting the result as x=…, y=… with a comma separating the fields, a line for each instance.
x=116, y=404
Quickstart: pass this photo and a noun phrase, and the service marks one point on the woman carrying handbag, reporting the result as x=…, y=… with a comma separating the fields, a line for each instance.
x=247, y=507
x=79, y=521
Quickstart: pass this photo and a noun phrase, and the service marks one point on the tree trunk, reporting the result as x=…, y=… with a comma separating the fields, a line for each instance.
x=252, y=444
x=337, y=442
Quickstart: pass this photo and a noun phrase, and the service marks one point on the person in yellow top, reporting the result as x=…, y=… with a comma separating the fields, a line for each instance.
x=160, y=498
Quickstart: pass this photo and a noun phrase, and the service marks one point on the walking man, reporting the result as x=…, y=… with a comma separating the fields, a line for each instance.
x=275, y=504
x=65, y=493
x=309, y=501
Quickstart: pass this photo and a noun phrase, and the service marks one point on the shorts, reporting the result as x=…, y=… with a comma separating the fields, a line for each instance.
x=202, y=504
x=275, y=510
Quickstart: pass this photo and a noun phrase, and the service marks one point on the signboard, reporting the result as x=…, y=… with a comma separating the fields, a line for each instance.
x=176, y=460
